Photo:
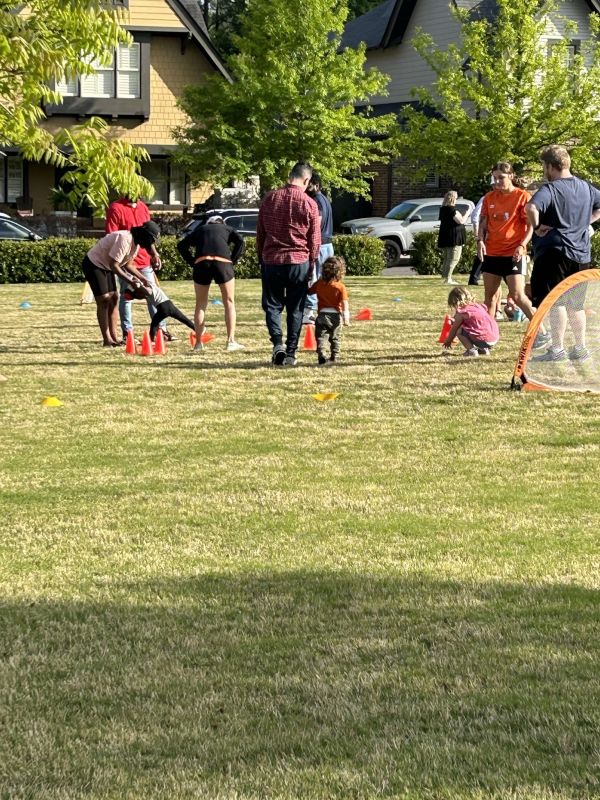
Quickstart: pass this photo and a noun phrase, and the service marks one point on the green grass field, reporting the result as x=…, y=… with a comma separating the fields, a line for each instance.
x=213, y=586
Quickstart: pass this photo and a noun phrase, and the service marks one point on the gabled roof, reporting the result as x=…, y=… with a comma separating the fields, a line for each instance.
x=385, y=25
x=190, y=14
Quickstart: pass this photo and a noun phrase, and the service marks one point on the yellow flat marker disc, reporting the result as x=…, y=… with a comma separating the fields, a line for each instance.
x=52, y=402
x=323, y=397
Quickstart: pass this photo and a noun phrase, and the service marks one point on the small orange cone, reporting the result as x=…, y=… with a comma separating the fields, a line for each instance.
x=445, y=329
x=364, y=315
x=130, y=344
x=146, y=344
x=205, y=338
x=310, y=341
x=160, y=348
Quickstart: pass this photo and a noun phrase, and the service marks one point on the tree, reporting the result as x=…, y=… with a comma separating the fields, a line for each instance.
x=51, y=40
x=358, y=7
x=503, y=94
x=292, y=98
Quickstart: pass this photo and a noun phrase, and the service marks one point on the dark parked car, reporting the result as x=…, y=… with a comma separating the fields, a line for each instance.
x=9, y=229
x=243, y=220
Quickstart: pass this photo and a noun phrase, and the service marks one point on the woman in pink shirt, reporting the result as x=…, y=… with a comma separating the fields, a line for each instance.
x=474, y=328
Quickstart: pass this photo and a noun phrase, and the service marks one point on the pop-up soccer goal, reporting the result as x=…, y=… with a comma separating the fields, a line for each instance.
x=572, y=306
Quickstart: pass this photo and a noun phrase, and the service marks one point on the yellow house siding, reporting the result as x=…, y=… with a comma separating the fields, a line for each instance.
x=155, y=13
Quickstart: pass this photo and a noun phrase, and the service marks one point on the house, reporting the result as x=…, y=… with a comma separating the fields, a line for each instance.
x=387, y=31
x=137, y=95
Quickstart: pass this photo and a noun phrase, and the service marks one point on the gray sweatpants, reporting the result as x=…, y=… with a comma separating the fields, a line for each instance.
x=328, y=327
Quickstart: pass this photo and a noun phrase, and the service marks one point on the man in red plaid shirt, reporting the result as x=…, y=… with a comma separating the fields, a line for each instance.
x=288, y=238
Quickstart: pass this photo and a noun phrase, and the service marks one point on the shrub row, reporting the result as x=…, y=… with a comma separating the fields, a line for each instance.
x=59, y=260
x=428, y=257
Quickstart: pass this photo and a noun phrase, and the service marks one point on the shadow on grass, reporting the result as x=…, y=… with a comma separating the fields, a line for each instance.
x=303, y=684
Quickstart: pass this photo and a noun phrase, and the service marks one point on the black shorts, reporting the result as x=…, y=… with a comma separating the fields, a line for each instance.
x=550, y=268
x=503, y=266
x=209, y=270
x=100, y=280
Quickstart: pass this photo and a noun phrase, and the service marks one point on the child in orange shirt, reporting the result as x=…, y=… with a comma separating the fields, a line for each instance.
x=332, y=297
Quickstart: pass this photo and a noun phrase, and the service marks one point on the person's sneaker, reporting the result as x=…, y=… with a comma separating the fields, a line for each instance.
x=541, y=340
x=579, y=353
x=198, y=347
x=233, y=346
x=290, y=361
x=484, y=351
x=278, y=356
x=449, y=282
x=322, y=360
x=551, y=354
x=333, y=359
x=472, y=351
x=168, y=336
x=499, y=315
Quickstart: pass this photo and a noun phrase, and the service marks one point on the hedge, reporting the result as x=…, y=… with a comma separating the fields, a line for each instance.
x=428, y=259
x=59, y=260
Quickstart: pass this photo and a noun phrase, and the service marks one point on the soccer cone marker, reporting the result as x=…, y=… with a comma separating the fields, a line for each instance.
x=130, y=344
x=397, y=299
x=147, y=345
x=324, y=397
x=52, y=402
x=445, y=329
x=160, y=348
x=25, y=304
x=205, y=338
x=364, y=315
x=216, y=303
x=310, y=341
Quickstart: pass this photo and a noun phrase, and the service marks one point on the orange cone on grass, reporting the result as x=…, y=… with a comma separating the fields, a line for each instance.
x=364, y=315
x=310, y=340
x=205, y=338
x=160, y=348
x=147, y=345
x=445, y=329
x=130, y=343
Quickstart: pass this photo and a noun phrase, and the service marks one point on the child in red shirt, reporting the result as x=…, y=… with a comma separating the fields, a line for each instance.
x=333, y=307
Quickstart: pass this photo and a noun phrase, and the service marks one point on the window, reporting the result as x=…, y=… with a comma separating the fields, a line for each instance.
x=12, y=230
x=432, y=180
x=428, y=213
x=568, y=54
x=169, y=181
x=11, y=179
x=120, y=78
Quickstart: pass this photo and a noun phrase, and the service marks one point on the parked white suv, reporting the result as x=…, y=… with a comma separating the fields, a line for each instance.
x=399, y=225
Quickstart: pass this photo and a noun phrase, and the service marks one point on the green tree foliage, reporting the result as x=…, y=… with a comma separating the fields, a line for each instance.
x=292, y=98
x=358, y=7
x=47, y=40
x=503, y=94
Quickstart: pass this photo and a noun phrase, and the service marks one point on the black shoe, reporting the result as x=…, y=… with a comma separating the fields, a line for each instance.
x=168, y=336
x=278, y=356
x=333, y=359
x=322, y=360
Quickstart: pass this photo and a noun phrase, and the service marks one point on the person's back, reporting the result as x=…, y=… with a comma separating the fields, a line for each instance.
x=566, y=205
x=212, y=240
x=288, y=227
x=330, y=294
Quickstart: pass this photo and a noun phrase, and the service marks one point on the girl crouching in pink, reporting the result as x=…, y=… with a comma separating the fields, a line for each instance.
x=474, y=328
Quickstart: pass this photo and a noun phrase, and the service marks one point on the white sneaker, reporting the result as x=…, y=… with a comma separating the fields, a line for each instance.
x=472, y=351
x=233, y=346
x=198, y=347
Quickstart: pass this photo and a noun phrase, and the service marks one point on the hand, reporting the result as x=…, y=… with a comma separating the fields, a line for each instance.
x=520, y=251
x=481, y=250
x=156, y=263
x=542, y=230
x=446, y=346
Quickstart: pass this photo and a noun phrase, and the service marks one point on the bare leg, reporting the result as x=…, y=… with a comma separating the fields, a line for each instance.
x=491, y=285
x=516, y=286
x=114, y=324
x=228, y=296
x=103, y=312
x=577, y=321
x=200, y=310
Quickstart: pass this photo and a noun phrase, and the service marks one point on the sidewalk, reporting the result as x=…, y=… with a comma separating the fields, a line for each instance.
x=399, y=272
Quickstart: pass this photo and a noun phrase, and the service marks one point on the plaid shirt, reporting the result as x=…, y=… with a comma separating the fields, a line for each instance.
x=288, y=230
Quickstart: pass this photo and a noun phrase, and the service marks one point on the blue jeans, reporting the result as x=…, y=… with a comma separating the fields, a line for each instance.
x=284, y=286
x=125, y=305
x=325, y=252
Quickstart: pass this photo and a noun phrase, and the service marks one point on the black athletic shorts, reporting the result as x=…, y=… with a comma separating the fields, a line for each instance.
x=100, y=280
x=503, y=266
x=209, y=270
x=549, y=269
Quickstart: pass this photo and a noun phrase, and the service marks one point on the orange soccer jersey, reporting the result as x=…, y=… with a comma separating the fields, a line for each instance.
x=506, y=220
x=330, y=294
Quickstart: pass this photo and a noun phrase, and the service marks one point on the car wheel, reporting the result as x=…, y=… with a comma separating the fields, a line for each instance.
x=392, y=253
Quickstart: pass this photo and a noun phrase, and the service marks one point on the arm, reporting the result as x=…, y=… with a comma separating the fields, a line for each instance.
x=313, y=235
x=260, y=236
x=129, y=273
x=239, y=245
x=184, y=247
x=458, y=321
x=458, y=217
x=346, y=313
x=533, y=215
x=481, y=237
x=155, y=258
x=595, y=216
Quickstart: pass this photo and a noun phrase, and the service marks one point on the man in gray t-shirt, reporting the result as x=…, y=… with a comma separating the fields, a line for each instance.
x=561, y=212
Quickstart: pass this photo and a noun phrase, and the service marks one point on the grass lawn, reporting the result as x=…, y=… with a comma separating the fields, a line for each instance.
x=213, y=586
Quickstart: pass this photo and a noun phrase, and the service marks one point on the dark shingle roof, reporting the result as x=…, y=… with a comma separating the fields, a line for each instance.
x=369, y=28
x=190, y=13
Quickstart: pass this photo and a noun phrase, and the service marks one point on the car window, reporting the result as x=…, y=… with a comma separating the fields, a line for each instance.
x=402, y=211
x=428, y=213
x=12, y=230
x=248, y=223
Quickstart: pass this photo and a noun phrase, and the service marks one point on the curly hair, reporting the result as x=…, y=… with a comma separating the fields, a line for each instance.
x=459, y=296
x=333, y=269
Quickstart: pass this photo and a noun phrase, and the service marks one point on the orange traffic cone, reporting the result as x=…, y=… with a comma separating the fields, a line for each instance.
x=445, y=329
x=364, y=315
x=310, y=341
x=130, y=344
x=205, y=338
x=160, y=348
x=146, y=344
